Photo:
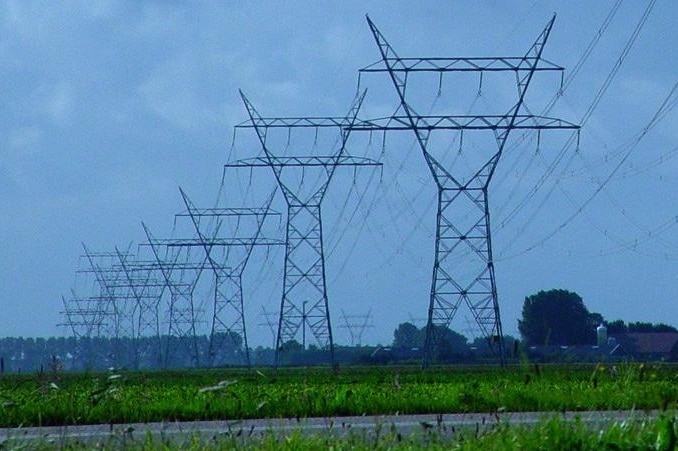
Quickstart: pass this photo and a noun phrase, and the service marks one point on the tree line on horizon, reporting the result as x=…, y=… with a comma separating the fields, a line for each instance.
x=553, y=317
x=560, y=317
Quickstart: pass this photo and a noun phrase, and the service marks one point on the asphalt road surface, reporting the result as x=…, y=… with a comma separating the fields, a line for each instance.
x=405, y=424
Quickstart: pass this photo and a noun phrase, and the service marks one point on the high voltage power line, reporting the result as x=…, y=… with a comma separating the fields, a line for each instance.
x=462, y=233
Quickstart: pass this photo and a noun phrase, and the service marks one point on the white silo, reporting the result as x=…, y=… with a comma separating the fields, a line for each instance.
x=601, y=334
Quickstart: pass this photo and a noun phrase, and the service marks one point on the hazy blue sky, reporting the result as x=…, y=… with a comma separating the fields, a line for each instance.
x=109, y=106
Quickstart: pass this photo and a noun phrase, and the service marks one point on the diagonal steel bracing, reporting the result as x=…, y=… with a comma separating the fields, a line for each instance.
x=114, y=304
x=147, y=293
x=304, y=300
x=180, y=272
x=463, y=271
x=228, y=318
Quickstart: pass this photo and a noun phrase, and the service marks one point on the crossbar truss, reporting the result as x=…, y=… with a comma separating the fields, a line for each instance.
x=304, y=297
x=470, y=240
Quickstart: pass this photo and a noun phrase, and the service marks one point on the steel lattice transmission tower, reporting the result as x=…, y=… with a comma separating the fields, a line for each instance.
x=147, y=291
x=123, y=306
x=114, y=302
x=356, y=325
x=228, y=318
x=86, y=319
x=304, y=297
x=125, y=309
x=462, y=243
x=180, y=270
x=83, y=315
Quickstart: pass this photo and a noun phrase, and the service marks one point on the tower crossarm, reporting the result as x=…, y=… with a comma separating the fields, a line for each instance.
x=482, y=64
x=486, y=122
x=198, y=242
x=474, y=286
x=294, y=122
x=111, y=255
x=217, y=212
x=167, y=267
x=280, y=162
x=304, y=273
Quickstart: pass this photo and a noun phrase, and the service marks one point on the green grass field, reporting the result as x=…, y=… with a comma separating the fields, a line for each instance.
x=121, y=397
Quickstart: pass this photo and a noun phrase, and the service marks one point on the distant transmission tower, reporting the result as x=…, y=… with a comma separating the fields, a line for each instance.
x=146, y=291
x=463, y=270
x=83, y=315
x=114, y=301
x=180, y=271
x=356, y=325
x=228, y=318
x=270, y=322
x=86, y=319
x=304, y=298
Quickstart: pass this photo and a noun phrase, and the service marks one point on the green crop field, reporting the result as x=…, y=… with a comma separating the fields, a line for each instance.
x=128, y=397
x=122, y=397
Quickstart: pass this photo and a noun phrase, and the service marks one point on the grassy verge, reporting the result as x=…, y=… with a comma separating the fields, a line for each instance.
x=553, y=434
x=120, y=397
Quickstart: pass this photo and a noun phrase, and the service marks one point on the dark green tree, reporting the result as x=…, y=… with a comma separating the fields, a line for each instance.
x=448, y=344
x=557, y=317
x=293, y=346
x=407, y=335
x=649, y=327
x=620, y=327
x=617, y=327
x=482, y=346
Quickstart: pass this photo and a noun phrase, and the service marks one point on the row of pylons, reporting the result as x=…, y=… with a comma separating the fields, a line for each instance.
x=137, y=298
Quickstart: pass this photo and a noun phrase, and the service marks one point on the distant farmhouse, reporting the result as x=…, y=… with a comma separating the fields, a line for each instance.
x=636, y=346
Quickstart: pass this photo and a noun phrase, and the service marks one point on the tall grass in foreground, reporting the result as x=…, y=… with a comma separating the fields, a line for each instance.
x=124, y=397
x=553, y=434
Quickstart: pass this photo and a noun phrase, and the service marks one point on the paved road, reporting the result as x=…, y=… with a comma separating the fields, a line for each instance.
x=405, y=424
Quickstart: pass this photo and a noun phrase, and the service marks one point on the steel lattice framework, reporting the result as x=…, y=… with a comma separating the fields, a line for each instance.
x=180, y=272
x=86, y=320
x=83, y=315
x=469, y=239
x=113, y=308
x=147, y=291
x=114, y=301
x=356, y=325
x=228, y=318
x=304, y=297
x=125, y=308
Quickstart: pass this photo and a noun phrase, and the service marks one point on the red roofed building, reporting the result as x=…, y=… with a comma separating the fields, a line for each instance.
x=649, y=345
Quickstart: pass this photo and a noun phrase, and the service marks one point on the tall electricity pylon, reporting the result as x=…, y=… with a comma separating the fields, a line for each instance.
x=180, y=272
x=463, y=270
x=304, y=297
x=269, y=321
x=147, y=292
x=356, y=325
x=228, y=317
x=115, y=302
x=83, y=315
